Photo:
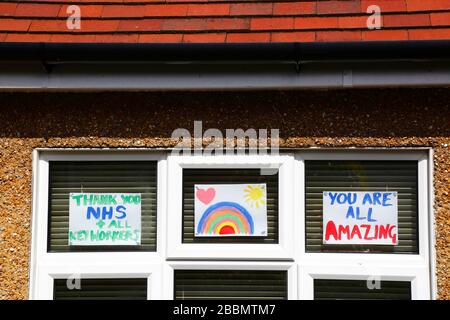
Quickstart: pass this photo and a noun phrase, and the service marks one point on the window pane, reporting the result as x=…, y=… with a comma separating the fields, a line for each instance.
x=358, y=289
x=102, y=289
x=192, y=177
x=400, y=176
x=101, y=177
x=224, y=284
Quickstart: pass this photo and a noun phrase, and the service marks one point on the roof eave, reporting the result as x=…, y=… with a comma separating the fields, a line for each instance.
x=292, y=51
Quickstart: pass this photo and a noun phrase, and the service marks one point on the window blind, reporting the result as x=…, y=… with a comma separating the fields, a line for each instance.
x=102, y=289
x=192, y=177
x=358, y=290
x=225, y=284
x=400, y=176
x=99, y=177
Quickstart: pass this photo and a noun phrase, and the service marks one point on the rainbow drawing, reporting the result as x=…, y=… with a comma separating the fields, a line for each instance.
x=231, y=210
x=226, y=218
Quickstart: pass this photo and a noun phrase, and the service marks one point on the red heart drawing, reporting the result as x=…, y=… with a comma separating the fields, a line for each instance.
x=206, y=196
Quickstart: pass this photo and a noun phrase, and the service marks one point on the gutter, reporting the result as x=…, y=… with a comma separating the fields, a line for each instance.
x=246, y=66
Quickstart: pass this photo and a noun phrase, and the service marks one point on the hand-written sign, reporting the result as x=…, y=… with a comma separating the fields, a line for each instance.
x=360, y=218
x=100, y=219
x=230, y=210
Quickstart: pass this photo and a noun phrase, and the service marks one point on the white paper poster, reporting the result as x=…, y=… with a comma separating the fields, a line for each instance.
x=104, y=219
x=230, y=210
x=360, y=217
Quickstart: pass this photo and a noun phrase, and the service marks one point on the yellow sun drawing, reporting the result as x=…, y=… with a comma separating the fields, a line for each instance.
x=255, y=195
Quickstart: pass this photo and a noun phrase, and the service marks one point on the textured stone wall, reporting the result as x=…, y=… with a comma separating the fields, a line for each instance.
x=357, y=118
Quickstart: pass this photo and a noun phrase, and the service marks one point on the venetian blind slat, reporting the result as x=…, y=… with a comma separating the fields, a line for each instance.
x=192, y=177
x=226, y=284
x=400, y=176
x=101, y=177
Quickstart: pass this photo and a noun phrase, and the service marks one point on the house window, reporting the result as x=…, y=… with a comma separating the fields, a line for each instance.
x=101, y=289
x=348, y=175
x=108, y=270
x=191, y=177
x=66, y=177
x=286, y=260
x=273, y=172
x=328, y=268
x=358, y=289
x=230, y=284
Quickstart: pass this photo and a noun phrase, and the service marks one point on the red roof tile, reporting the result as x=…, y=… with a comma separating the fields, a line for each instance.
x=222, y=20
x=248, y=37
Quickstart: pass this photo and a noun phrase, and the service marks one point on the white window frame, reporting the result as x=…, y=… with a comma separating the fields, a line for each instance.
x=289, y=267
x=355, y=271
x=289, y=254
x=47, y=266
x=258, y=251
x=110, y=267
x=360, y=266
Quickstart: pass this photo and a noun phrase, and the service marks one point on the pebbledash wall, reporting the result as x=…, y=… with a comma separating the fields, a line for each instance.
x=307, y=119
